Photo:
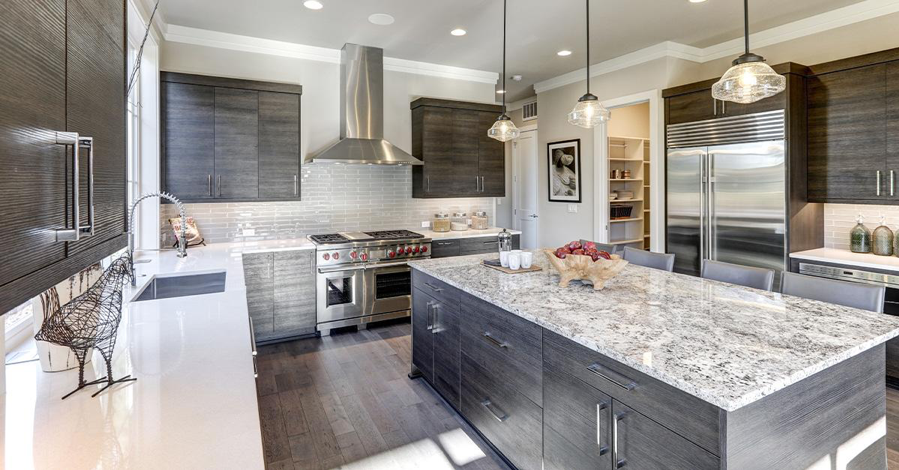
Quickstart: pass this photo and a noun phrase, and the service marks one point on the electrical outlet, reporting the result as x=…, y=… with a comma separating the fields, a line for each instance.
x=572, y=208
x=425, y=224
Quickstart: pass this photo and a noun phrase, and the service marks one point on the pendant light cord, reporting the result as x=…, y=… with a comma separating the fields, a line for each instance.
x=746, y=24
x=504, y=58
x=588, y=45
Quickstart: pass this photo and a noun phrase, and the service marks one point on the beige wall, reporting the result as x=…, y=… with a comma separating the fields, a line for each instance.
x=320, y=80
x=630, y=121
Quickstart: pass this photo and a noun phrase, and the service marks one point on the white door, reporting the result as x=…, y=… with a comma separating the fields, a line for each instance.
x=524, y=212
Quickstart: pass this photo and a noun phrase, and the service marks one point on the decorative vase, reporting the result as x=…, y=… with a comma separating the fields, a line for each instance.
x=882, y=240
x=860, y=237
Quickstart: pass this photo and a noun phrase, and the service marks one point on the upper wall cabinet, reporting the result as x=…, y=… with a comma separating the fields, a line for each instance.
x=698, y=105
x=230, y=140
x=450, y=137
x=64, y=71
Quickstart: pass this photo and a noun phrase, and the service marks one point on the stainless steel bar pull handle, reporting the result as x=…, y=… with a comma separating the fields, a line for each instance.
x=477, y=183
x=433, y=287
x=616, y=455
x=878, y=182
x=218, y=185
x=892, y=182
x=296, y=185
x=88, y=143
x=430, y=325
x=601, y=371
x=435, y=318
x=494, y=341
x=428, y=183
x=600, y=411
x=71, y=234
x=714, y=107
x=497, y=413
x=209, y=185
x=482, y=185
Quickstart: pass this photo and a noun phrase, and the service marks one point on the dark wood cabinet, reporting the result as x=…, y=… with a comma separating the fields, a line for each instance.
x=236, y=143
x=280, y=293
x=690, y=107
x=847, y=138
x=450, y=137
x=230, y=140
x=577, y=424
x=446, y=321
x=644, y=444
x=468, y=246
x=422, y=338
x=64, y=70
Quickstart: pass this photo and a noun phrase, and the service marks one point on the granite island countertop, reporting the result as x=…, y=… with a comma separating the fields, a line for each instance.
x=725, y=344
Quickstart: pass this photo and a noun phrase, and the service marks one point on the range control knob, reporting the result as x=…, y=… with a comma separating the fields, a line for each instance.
x=336, y=255
x=364, y=256
x=408, y=250
x=416, y=249
x=353, y=254
x=391, y=254
x=326, y=256
x=424, y=249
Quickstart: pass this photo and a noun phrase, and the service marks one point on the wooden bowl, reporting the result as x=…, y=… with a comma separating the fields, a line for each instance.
x=583, y=268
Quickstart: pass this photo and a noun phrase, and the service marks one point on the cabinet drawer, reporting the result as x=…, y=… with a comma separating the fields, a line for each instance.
x=474, y=246
x=506, y=346
x=444, y=248
x=642, y=443
x=577, y=424
x=687, y=415
x=511, y=422
x=439, y=290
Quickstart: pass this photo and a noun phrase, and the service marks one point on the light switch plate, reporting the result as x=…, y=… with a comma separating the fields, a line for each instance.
x=572, y=208
x=425, y=224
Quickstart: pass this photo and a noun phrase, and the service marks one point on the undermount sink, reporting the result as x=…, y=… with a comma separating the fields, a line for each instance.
x=182, y=286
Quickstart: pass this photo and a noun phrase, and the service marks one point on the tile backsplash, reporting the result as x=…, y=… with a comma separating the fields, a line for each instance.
x=335, y=198
x=840, y=218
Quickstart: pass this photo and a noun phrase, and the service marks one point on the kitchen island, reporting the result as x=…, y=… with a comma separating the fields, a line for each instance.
x=658, y=370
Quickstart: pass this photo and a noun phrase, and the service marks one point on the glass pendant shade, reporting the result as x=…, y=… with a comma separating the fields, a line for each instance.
x=588, y=112
x=503, y=129
x=749, y=82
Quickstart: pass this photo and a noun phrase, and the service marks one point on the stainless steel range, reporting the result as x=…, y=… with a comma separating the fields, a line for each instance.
x=362, y=277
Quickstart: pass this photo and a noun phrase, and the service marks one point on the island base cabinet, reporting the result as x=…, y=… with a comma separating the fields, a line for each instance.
x=510, y=421
x=577, y=425
x=422, y=338
x=639, y=442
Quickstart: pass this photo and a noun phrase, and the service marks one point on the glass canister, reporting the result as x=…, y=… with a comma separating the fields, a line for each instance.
x=459, y=221
x=882, y=243
x=479, y=220
x=504, y=241
x=860, y=237
x=441, y=222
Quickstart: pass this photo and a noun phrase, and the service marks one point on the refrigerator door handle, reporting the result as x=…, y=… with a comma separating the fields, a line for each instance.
x=702, y=207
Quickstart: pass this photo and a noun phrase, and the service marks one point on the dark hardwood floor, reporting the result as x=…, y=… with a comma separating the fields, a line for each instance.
x=345, y=401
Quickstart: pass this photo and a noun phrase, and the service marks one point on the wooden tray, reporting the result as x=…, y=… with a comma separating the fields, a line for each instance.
x=534, y=268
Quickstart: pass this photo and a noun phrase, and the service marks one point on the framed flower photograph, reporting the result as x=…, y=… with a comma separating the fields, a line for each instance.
x=564, y=160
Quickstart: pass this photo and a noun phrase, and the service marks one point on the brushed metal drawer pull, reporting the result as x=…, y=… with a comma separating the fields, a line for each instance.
x=433, y=287
x=604, y=373
x=430, y=325
x=618, y=462
x=209, y=185
x=435, y=318
x=501, y=416
x=494, y=341
x=600, y=407
x=878, y=182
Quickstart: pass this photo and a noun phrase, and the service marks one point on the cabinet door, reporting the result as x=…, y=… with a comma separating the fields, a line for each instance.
x=847, y=135
x=444, y=248
x=491, y=159
x=258, y=272
x=32, y=109
x=640, y=442
x=236, y=139
x=479, y=245
x=95, y=107
x=465, y=153
x=577, y=424
x=695, y=106
x=188, y=140
x=437, y=151
x=279, y=145
x=447, y=360
x=778, y=101
x=892, y=112
x=294, y=293
x=422, y=338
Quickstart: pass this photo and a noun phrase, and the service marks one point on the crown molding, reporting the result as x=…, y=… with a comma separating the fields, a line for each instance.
x=235, y=42
x=855, y=13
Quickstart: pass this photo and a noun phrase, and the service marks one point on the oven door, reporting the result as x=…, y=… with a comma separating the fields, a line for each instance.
x=388, y=288
x=339, y=294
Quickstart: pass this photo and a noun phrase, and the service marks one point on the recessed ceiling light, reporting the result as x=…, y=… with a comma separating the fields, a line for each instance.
x=697, y=1
x=563, y=53
x=501, y=91
x=458, y=32
x=313, y=5
x=381, y=19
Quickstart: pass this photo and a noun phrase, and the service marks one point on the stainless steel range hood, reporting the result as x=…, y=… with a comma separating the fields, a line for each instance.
x=362, y=113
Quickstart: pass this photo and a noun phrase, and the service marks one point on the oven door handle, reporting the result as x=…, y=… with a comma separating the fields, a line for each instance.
x=340, y=269
x=387, y=265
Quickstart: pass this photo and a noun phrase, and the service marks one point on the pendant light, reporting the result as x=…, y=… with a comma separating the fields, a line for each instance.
x=750, y=79
x=588, y=112
x=503, y=129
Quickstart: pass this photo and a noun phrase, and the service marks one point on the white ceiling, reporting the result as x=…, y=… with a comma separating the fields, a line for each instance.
x=536, y=29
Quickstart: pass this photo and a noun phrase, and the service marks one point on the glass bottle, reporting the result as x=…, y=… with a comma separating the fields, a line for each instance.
x=882, y=239
x=860, y=237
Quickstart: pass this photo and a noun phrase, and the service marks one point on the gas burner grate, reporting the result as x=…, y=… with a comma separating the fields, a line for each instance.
x=393, y=234
x=329, y=238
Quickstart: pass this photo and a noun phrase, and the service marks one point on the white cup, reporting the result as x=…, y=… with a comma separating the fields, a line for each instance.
x=527, y=258
x=504, y=258
x=518, y=252
x=514, y=261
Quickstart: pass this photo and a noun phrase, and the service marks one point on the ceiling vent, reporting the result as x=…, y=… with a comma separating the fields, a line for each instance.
x=529, y=111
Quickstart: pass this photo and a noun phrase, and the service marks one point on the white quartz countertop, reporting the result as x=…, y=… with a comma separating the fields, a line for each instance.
x=861, y=260
x=725, y=344
x=193, y=405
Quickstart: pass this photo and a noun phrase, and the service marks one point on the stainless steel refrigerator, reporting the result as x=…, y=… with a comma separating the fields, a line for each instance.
x=726, y=192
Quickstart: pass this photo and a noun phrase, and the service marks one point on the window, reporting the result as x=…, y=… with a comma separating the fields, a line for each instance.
x=133, y=128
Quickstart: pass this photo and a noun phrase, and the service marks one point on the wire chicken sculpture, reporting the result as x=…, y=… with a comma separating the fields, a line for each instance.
x=91, y=320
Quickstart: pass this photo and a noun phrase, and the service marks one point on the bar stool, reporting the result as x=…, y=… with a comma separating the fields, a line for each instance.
x=848, y=294
x=757, y=278
x=663, y=261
